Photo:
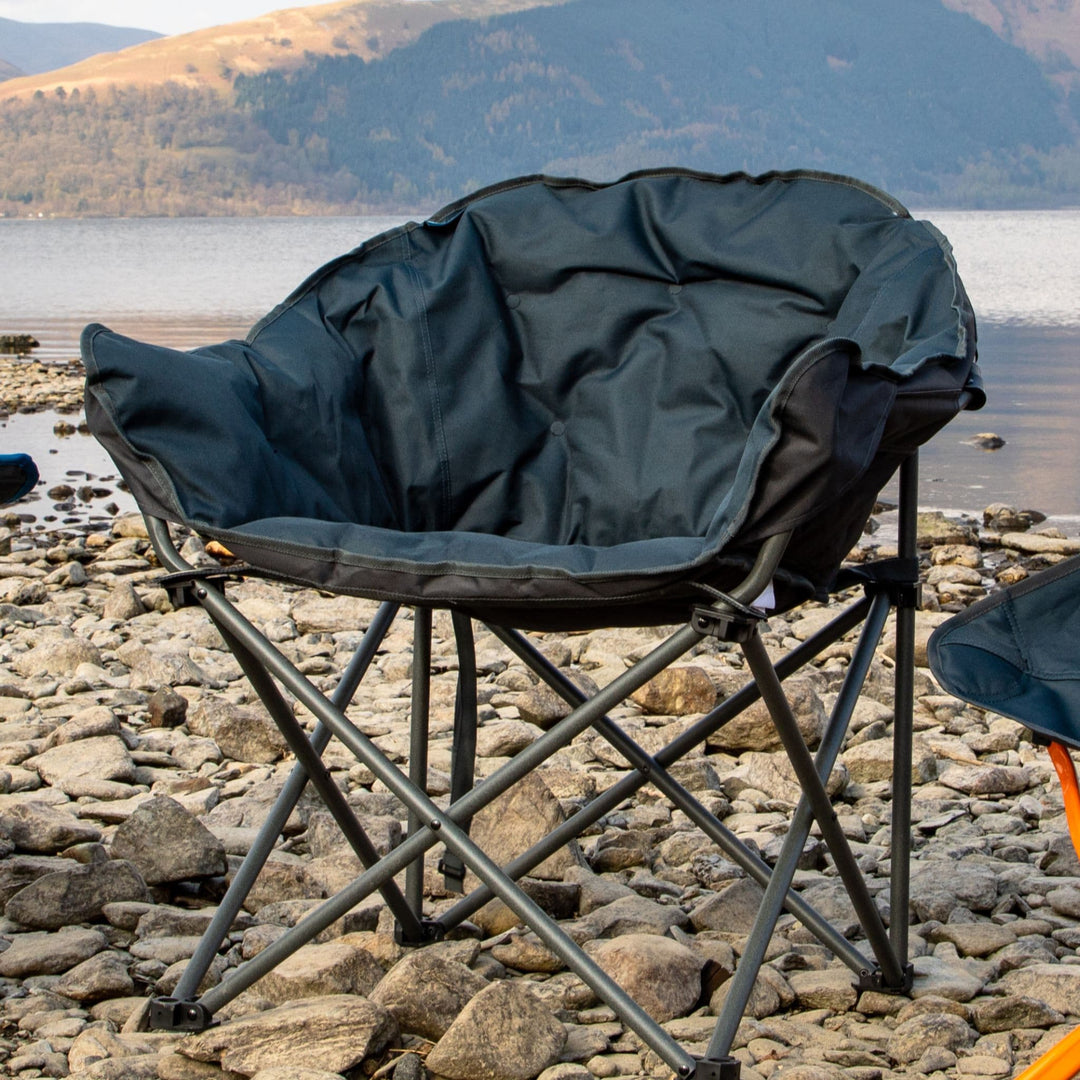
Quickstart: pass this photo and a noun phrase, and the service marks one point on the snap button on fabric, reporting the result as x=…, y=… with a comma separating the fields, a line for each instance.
x=558, y=427
x=513, y=301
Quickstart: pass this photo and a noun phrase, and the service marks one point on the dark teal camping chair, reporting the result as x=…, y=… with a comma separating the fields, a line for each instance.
x=563, y=405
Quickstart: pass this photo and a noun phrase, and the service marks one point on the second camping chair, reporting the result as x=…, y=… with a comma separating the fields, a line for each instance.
x=1015, y=653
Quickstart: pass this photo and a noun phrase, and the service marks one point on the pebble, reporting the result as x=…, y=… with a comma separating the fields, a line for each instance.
x=136, y=765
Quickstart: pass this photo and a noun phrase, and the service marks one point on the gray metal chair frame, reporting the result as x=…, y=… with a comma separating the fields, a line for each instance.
x=888, y=585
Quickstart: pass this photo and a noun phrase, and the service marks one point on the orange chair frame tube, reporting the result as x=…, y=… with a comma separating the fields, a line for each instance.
x=1062, y=1062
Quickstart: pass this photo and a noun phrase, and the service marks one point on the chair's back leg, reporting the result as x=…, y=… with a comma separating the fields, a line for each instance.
x=418, y=745
x=463, y=753
x=273, y=826
x=903, y=722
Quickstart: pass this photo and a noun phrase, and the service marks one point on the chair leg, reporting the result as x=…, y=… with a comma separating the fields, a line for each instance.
x=463, y=753
x=418, y=754
x=272, y=827
x=903, y=723
x=814, y=792
x=681, y=745
x=784, y=871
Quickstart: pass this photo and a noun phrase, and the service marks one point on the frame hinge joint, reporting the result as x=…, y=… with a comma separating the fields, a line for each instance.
x=874, y=980
x=172, y=1014
x=725, y=1068
x=431, y=931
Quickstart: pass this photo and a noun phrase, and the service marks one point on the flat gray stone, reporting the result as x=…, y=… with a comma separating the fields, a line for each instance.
x=168, y=843
x=317, y=970
x=987, y=779
x=103, y=757
x=936, y=977
x=774, y=775
x=515, y=821
x=59, y=656
x=505, y=1033
x=426, y=992
x=871, y=761
x=336, y=1032
x=1012, y=1011
x=1056, y=985
x=975, y=938
x=732, y=910
x=49, y=954
x=771, y=992
x=833, y=989
x=1036, y=544
x=102, y=976
x=754, y=729
x=244, y=733
x=938, y=887
x=632, y=915
x=914, y=1037
x=75, y=895
x=661, y=975
x=38, y=827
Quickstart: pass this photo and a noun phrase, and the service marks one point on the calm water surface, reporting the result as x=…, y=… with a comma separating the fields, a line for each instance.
x=189, y=282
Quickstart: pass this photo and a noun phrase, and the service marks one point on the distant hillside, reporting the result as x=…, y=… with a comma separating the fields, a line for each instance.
x=1048, y=30
x=9, y=71
x=36, y=47
x=282, y=40
x=927, y=102
x=901, y=94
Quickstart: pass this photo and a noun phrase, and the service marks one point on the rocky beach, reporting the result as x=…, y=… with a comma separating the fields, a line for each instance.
x=136, y=765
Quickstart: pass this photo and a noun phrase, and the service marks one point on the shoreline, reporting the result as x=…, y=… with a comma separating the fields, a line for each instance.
x=30, y=388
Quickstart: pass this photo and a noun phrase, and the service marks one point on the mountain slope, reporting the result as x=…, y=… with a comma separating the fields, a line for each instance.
x=602, y=86
x=37, y=47
x=1048, y=30
x=924, y=101
x=281, y=40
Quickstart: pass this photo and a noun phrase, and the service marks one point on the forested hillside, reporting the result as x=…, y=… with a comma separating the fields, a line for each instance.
x=923, y=100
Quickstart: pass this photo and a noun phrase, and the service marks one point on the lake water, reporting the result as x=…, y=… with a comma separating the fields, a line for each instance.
x=189, y=282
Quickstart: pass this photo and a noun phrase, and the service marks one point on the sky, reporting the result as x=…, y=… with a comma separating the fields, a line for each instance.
x=164, y=16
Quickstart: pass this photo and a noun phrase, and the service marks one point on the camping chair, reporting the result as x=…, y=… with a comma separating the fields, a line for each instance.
x=18, y=475
x=561, y=405
x=1014, y=653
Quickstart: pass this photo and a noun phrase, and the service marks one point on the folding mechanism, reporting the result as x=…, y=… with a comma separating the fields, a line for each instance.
x=670, y=400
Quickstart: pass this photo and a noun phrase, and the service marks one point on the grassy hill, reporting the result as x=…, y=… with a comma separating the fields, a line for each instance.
x=281, y=40
x=419, y=102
